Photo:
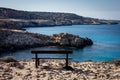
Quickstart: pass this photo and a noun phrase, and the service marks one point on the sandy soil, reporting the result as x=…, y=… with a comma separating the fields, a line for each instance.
x=53, y=70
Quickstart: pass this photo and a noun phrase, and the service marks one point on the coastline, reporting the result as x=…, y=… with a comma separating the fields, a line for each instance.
x=20, y=19
x=13, y=40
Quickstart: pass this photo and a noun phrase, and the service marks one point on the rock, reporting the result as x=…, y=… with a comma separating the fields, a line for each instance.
x=28, y=74
x=88, y=61
x=75, y=79
x=7, y=69
x=64, y=42
x=10, y=77
x=71, y=40
x=7, y=76
x=46, y=66
x=15, y=64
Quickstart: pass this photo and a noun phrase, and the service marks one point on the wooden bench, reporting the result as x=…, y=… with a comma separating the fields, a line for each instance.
x=50, y=52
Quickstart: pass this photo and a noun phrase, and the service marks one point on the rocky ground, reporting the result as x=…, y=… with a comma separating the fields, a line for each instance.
x=53, y=70
x=12, y=40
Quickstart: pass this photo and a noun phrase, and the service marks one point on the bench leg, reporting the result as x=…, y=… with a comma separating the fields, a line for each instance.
x=67, y=67
x=36, y=61
x=66, y=61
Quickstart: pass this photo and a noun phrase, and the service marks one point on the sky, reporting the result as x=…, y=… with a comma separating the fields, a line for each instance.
x=102, y=9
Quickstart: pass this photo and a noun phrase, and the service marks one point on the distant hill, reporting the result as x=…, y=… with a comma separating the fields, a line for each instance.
x=17, y=14
x=11, y=18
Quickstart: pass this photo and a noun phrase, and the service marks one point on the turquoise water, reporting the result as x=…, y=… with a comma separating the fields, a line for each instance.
x=106, y=40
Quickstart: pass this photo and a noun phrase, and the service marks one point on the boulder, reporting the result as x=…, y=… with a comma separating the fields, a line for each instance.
x=71, y=40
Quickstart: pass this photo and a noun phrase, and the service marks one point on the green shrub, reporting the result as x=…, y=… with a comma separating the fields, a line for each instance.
x=8, y=59
x=116, y=62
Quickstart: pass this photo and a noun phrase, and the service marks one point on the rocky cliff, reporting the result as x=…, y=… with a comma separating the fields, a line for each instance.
x=12, y=40
x=18, y=18
x=71, y=40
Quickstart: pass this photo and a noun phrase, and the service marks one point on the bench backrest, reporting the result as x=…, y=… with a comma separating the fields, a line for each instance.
x=51, y=52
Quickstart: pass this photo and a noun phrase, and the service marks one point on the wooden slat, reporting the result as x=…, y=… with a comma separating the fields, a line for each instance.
x=51, y=58
x=50, y=52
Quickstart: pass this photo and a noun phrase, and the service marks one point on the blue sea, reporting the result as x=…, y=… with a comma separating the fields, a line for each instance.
x=106, y=39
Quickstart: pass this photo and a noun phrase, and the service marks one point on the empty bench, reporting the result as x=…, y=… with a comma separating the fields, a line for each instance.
x=51, y=52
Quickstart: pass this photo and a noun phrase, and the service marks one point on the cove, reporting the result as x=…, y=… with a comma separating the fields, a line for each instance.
x=106, y=39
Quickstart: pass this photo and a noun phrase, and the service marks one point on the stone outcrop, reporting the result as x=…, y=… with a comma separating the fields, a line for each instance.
x=11, y=39
x=16, y=40
x=71, y=40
